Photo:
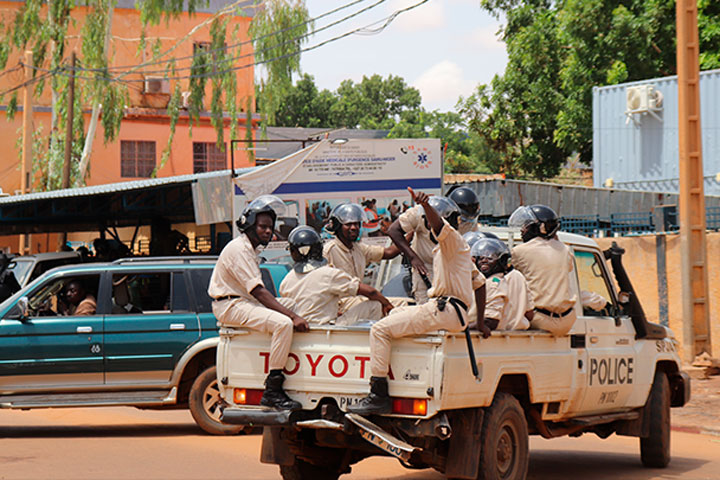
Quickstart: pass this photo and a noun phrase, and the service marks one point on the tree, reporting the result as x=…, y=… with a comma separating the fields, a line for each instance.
x=305, y=106
x=278, y=30
x=539, y=111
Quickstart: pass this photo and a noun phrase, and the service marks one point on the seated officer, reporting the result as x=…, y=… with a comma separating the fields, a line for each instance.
x=241, y=299
x=317, y=288
x=351, y=255
x=508, y=303
x=456, y=282
x=546, y=263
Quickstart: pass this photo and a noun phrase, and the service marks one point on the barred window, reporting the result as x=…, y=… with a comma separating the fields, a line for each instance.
x=137, y=158
x=207, y=157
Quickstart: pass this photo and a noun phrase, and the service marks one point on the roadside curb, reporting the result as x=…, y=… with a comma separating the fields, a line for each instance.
x=696, y=429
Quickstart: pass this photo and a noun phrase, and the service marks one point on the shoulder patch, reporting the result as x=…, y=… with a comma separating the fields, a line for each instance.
x=496, y=280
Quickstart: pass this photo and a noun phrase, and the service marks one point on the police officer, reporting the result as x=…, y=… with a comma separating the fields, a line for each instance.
x=467, y=201
x=508, y=303
x=456, y=282
x=317, y=288
x=546, y=263
x=348, y=254
x=241, y=299
x=420, y=251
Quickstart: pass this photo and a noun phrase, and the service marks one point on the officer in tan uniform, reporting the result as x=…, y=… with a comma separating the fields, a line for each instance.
x=546, y=263
x=241, y=299
x=346, y=253
x=317, y=288
x=419, y=252
x=457, y=281
x=508, y=303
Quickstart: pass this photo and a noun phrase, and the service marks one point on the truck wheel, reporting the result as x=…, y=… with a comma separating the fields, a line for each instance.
x=655, y=449
x=504, y=441
x=205, y=405
x=302, y=470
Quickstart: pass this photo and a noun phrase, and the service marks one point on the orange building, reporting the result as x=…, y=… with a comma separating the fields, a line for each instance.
x=143, y=135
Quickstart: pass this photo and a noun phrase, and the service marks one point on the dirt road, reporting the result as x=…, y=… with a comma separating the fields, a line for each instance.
x=124, y=443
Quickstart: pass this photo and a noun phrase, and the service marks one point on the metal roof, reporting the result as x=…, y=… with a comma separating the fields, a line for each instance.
x=96, y=207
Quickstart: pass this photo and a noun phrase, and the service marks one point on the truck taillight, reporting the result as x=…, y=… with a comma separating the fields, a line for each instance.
x=247, y=396
x=410, y=406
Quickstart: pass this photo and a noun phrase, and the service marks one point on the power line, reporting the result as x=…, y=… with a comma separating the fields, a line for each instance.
x=220, y=49
x=361, y=30
x=223, y=62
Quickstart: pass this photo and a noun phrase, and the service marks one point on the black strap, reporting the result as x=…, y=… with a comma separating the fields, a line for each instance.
x=226, y=297
x=553, y=314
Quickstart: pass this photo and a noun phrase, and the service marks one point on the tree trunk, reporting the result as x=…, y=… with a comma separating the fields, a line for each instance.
x=95, y=114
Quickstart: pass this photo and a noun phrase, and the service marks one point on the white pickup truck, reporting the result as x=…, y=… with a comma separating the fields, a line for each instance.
x=614, y=373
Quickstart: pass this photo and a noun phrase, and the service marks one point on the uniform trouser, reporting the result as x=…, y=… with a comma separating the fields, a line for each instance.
x=242, y=313
x=357, y=306
x=554, y=324
x=405, y=321
x=419, y=289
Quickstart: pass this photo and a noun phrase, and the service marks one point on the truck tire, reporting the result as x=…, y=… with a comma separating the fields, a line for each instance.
x=655, y=449
x=504, y=441
x=205, y=405
x=302, y=470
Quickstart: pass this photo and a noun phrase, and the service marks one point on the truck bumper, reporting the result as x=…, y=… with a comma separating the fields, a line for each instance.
x=255, y=417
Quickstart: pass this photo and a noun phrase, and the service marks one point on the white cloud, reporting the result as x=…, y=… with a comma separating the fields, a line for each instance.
x=442, y=84
x=484, y=38
x=429, y=16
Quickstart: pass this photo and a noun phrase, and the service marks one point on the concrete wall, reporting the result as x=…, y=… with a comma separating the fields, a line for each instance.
x=640, y=261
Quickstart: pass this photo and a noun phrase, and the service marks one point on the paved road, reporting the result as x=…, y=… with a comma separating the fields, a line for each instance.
x=124, y=443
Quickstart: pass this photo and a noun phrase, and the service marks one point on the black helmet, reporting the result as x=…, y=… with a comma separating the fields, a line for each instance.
x=467, y=201
x=307, y=245
x=495, y=252
x=263, y=204
x=534, y=221
x=343, y=214
x=446, y=208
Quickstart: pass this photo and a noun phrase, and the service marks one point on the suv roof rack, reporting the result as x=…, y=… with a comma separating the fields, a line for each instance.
x=188, y=259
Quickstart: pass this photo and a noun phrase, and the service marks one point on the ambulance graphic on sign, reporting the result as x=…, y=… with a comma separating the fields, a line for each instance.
x=421, y=160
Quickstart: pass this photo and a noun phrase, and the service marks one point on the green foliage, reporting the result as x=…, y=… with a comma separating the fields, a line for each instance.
x=278, y=53
x=539, y=112
x=709, y=28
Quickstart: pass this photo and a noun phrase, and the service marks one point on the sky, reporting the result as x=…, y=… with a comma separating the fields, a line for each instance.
x=444, y=48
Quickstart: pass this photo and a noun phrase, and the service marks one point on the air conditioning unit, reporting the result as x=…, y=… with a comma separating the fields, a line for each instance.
x=157, y=85
x=185, y=100
x=642, y=99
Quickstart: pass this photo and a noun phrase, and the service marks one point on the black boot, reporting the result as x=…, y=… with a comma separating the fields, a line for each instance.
x=274, y=396
x=377, y=402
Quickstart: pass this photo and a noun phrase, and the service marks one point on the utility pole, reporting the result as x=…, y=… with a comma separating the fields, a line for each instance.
x=26, y=165
x=695, y=300
x=62, y=240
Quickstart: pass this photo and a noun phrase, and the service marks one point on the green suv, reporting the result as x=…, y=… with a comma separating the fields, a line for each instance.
x=148, y=341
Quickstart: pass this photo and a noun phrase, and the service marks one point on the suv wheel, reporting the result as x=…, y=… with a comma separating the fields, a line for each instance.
x=206, y=404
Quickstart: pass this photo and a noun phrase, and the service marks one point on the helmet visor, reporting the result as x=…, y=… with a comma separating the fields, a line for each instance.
x=522, y=217
x=443, y=206
x=265, y=202
x=489, y=248
x=472, y=237
x=349, y=213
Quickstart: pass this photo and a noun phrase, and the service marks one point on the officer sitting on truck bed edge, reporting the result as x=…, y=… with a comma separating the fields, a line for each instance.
x=546, y=263
x=241, y=299
x=456, y=281
x=317, y=288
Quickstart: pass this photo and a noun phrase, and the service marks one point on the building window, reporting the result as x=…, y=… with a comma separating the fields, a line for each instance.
x=137, y=158
x=207, y=157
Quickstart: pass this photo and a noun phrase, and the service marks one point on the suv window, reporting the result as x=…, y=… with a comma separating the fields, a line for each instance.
x=60, y=296
x=143, y=292
x=594, y=292
x=200, y=282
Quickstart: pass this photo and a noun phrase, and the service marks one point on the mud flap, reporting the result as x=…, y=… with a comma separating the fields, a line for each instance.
x=380, y=438
x=274, y=448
